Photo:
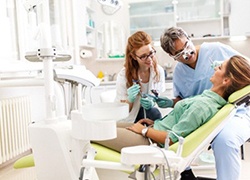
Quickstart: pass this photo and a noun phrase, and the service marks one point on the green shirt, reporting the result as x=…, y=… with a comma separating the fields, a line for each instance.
x=190, y=113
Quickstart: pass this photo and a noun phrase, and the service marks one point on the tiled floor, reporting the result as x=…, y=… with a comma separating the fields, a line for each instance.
x=8, y=173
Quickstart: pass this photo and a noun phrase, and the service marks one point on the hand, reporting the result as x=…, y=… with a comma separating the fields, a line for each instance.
x=164, y=102
x=137, y=128
x=132, y=92
x=147, y=103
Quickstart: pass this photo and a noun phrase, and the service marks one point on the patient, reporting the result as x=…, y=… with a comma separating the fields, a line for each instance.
x=188, y=114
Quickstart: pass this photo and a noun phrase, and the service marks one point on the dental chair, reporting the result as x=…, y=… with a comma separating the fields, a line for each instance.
x=169, y=162
x=179, y=156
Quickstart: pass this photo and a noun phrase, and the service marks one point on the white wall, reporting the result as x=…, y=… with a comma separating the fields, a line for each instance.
x=239, y=21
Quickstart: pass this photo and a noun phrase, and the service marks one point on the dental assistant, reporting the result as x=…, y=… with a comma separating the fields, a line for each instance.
x=140, y=74
x=191, y=77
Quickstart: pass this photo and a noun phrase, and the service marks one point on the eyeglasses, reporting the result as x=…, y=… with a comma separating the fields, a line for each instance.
x=178, y=55
x=145, y=57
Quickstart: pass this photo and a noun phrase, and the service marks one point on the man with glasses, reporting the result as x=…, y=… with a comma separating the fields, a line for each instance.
x=191, y=77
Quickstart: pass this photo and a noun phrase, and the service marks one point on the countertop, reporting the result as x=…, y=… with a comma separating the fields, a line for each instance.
x=106, y=83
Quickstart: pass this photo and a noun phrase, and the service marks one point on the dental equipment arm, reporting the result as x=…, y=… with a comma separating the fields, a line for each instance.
x=77, y=74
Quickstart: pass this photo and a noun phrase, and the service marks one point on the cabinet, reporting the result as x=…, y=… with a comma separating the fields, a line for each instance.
x=199, y=18
x=151, y=16
x=90, y=27
x=202, y=18
x=85, y=23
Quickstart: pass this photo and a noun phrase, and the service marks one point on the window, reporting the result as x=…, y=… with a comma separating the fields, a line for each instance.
x=8, y=35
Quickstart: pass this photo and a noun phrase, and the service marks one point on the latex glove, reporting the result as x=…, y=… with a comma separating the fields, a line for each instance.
x=164, y=102
x=215, y=64
x=132, y=92
x=147, y=103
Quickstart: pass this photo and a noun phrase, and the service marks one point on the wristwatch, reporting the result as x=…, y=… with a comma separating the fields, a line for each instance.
x=144, y=131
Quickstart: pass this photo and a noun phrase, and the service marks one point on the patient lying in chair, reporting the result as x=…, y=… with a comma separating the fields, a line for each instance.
x=188, y=114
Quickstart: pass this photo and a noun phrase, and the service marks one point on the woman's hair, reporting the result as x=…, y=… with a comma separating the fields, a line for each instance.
x=135, y=42
x=238, y=70
x=169, y=36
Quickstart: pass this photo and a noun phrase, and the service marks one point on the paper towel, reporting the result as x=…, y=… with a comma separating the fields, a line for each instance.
x=84, y=53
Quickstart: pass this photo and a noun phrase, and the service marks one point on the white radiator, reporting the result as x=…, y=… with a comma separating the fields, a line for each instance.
x=15, y=116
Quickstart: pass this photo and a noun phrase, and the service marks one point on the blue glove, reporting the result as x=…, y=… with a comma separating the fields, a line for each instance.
x=132, y=92
x=164, y=102
x=215, y=64
x=147, y=103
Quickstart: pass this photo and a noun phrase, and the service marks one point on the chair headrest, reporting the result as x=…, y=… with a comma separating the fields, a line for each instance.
x=237, y=95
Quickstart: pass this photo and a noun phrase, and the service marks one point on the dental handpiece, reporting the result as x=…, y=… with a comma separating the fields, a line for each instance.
x=142, y=96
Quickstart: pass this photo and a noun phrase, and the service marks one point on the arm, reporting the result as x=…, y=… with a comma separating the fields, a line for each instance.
x=156, y=135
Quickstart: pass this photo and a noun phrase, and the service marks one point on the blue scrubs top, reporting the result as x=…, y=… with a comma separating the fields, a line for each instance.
x=188, y=82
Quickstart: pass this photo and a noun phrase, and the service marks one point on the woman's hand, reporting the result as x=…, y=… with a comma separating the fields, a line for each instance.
x=137, y=127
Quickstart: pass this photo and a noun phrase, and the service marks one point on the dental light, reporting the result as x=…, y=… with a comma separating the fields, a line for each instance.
x=112, y=3
x=110, y=6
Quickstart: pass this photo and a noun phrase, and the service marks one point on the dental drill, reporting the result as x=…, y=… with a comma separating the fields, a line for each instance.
x=143, y=95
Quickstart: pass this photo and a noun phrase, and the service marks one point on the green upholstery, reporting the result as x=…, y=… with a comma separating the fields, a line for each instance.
x=239, y=94
x=106, y=154
x=24, y=162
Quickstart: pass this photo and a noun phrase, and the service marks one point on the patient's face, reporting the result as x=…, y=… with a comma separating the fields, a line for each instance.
x=218, y=77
